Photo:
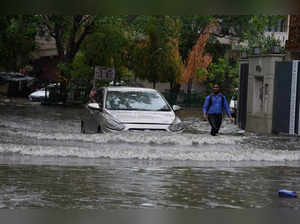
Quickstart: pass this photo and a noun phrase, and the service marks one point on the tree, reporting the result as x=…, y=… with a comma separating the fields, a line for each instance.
x=69, y=32
x=198, y=50
x=153, y=59
x=222, y=72
x=190, y=29
x=107, y=46
x=257, y=26
x=249, y=28
x=197, y=57
x=17, y=40
x=81, y=73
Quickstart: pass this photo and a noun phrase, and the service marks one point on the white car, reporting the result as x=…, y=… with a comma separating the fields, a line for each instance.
x=38, y=95
x=233, y=105
x=130, y=108
x=41, y=94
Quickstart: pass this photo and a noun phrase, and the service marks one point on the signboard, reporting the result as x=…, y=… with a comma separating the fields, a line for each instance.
x=104, y=74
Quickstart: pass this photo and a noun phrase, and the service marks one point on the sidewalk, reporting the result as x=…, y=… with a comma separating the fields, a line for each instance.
x=13, y=100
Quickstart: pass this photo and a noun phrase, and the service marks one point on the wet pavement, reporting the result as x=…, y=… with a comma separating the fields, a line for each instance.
x=45, y=162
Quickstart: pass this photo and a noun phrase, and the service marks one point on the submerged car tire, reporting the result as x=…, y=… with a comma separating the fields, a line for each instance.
x=82, y=128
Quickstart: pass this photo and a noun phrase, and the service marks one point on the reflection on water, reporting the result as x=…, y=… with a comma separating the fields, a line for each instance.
x=137, y=187
x=46, y=162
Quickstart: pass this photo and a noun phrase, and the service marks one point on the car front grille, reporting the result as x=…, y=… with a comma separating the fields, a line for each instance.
x=146, y=129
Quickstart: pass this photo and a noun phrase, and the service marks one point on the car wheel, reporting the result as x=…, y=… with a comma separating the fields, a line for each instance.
x=99, y=130
x=82, y=129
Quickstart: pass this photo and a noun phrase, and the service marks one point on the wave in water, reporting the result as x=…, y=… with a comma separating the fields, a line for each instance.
x=152, y=138
x=226, y=153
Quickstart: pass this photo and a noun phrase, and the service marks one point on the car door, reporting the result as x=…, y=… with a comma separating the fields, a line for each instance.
x=99, y=97
x=92, y=121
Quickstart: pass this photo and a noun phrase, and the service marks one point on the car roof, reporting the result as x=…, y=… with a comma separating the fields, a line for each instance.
x=126, y=88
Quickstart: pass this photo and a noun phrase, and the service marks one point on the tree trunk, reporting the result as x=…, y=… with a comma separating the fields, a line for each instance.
x=189, y=90
x=189, y=87
x=174, y=91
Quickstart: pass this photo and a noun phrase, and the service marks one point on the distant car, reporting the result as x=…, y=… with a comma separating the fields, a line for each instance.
x=15, y=84
x=41, y=94
x=38, y=95
x=130, y=108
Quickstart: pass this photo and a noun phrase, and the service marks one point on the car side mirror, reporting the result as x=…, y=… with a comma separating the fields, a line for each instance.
x=94, y=106
x=176, y=107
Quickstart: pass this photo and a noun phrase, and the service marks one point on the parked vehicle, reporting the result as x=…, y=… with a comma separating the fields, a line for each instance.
x=234, y=104
x=130, y=108
x=41, y=94
x=15, y=84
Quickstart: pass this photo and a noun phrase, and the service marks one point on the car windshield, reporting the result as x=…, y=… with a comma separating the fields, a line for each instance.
x=135, y=100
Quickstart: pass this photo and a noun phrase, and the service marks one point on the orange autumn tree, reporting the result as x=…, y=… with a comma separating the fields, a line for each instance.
x=197, y=58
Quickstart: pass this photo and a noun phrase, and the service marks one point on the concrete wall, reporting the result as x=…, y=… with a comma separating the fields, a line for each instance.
x=261, y=93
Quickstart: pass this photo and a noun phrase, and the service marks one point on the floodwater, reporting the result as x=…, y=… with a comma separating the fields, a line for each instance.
x=45, y=162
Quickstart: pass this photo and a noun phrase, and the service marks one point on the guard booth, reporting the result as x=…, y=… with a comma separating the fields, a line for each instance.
x=269, y=99
x=257, y=78
x=286, y=117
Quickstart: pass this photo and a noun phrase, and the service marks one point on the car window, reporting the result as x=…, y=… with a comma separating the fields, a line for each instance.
x=136, y=100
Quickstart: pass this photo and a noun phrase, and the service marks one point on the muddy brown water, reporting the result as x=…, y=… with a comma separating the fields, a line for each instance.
x=45, y=162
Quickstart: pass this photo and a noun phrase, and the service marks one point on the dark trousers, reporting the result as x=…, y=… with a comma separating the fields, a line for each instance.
x=215, y=121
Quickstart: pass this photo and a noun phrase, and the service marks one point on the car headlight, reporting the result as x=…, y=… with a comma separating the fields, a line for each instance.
x=112, y=123
x=176, y=125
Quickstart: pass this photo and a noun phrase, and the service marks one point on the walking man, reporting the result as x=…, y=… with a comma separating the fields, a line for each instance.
x=213, y=108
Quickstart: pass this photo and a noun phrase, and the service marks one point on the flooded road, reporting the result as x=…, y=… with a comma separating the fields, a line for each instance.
x=45, y=162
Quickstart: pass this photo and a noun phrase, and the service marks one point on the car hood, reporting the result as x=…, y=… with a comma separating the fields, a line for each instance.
x=144, y=117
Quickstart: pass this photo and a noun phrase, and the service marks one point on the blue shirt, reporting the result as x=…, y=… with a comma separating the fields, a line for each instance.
x=216, y=106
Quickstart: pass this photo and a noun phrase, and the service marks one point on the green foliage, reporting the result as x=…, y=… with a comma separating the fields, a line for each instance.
x=216, y=49
x=257, y=26
x=249, y=28
x=270, y=42
x=81, y=71
x=17, y=40
x=223, y=72
x=109, y=46
x=126, y=74
x=235, y=26
x=139, y=46
x=191, y=26
x=106, y=47
x=152, y=56
x=70, y=32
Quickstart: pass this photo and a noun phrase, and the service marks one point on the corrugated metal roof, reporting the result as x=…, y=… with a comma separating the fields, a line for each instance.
x=12, y=76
